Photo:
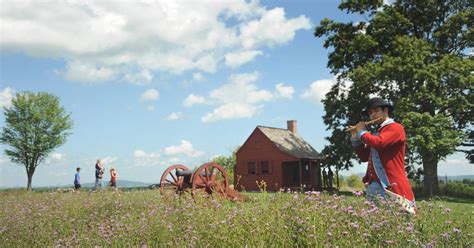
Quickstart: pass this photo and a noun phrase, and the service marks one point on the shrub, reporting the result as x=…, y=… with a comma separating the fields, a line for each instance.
x=354, y=181
x=458, y=189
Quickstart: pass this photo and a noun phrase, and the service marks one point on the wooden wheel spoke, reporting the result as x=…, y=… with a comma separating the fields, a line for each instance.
x=212, y=172
x=207, y=173
x=202, y=178
x=173, y=183
x=170, y=182
x=174, y=177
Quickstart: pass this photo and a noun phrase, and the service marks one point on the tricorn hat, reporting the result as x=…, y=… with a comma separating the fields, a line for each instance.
x=377, y=102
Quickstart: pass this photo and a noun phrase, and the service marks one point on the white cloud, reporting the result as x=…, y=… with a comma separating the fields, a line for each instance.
x=241, y=88
x=272, y=29
x=184, y=148
x=318, y=90
x=108, y=160
x=107, y=40
x=198, y=76
x=236, y=59
x=231, y=111
x=141, y=158
x=174, y=116
x=150, y=108
x=456, y=164
x=140, y=78
x=141, y=154
x=87, y=72
x=55, y=159
x=150, y=95
x=239, y=98
x=174, y=160
x=57, y=156
x=6, y=96
x=193, y=99
x=284, y=91
x=4, y=160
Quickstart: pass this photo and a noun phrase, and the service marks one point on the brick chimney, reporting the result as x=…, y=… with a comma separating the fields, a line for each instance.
x=291, y=126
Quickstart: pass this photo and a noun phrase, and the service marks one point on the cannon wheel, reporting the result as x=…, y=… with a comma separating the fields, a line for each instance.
x=210, y=178
x=170, y=182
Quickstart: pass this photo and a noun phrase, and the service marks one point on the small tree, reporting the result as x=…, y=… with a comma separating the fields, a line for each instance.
x=35, y=125
x=354, y=181
x=228, y=163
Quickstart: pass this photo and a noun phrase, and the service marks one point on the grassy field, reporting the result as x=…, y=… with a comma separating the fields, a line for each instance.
x=142, y=218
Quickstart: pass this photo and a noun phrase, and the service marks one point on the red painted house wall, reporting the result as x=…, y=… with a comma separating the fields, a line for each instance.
x=259, y=148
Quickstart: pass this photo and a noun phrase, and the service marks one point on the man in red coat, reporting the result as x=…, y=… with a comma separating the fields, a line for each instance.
x=385, y=151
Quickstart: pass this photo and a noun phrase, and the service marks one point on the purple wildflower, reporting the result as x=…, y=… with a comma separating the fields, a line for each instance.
x=354, y=225
x=430, y=244
x=358, y=193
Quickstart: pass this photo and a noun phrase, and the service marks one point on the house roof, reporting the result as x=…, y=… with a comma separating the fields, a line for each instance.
x=290, y=143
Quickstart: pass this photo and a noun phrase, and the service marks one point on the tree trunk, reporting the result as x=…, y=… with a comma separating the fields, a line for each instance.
x=430, y=168
x=29, y=173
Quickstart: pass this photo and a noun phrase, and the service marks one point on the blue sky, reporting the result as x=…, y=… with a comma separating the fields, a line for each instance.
x=152, y=84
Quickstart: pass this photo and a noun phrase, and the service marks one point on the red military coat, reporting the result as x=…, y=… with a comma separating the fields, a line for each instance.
x=390, y=144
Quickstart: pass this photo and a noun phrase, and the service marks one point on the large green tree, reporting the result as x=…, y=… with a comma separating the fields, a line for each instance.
x=35, y=124
x=415, y=53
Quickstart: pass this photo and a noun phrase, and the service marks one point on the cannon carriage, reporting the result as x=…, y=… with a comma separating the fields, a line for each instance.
x=210, y=178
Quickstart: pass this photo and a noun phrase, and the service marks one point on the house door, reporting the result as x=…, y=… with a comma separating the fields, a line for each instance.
x=291, y=174
x=306, y=174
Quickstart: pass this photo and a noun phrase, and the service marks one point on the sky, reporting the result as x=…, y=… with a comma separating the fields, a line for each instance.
x=150, y=84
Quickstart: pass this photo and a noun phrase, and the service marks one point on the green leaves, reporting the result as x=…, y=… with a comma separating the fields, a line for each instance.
x=428, y=134
x=413, y=53
x=35, y=125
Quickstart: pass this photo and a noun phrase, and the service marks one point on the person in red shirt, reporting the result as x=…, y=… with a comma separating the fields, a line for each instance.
x=113, y=178
x=384, y=150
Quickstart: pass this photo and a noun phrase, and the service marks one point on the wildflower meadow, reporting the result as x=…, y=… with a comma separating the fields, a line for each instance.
x=144, y=218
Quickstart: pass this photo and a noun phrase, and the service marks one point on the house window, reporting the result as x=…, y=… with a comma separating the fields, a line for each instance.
x=264, y=167
x=251, y=168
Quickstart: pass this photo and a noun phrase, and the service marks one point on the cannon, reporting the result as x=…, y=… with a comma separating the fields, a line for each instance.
x=210, y=178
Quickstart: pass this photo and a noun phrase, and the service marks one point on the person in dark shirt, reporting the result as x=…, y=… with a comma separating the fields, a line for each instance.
x=99, y=172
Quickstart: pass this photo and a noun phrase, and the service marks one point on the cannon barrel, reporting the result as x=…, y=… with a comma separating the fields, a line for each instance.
x=181, y=173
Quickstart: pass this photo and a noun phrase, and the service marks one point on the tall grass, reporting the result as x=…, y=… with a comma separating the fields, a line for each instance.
x=144, y=218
